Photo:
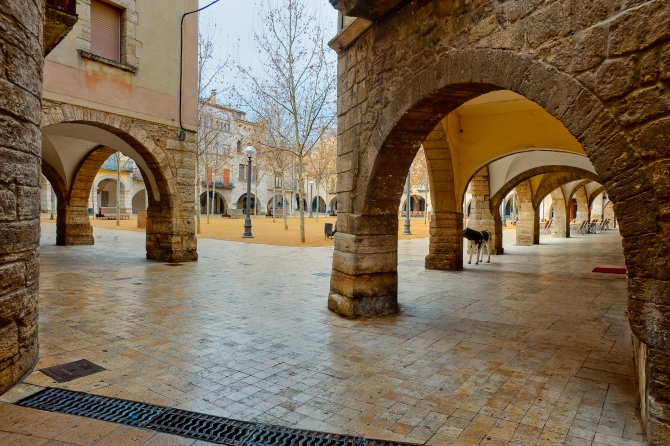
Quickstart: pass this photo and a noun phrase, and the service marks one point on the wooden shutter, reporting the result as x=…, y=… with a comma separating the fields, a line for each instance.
x=105, y=30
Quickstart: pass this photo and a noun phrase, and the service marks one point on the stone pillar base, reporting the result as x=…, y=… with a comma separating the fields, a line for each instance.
x=73, y=227
x=444, y=262
x=362, y=306
x=170, y=239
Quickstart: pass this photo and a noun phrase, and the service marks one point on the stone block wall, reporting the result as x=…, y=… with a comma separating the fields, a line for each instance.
x=600, y=67
x=170, y=219
x=21, y=49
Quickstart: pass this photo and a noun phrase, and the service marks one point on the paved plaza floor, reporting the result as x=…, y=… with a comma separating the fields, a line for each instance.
x=532, y=348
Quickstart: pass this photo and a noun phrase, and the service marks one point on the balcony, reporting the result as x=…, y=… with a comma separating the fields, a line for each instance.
x=60, y=17
x=67, y=6
x=126, y=166
x=218, y=184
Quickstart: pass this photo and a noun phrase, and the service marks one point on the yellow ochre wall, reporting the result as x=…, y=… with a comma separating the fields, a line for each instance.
x=493, y=130
x=152, y=93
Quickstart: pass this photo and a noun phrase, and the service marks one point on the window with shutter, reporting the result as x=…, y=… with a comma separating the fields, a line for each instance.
x=106, y=30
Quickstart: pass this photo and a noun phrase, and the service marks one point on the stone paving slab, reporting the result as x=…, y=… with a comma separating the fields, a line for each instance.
x=532, y=348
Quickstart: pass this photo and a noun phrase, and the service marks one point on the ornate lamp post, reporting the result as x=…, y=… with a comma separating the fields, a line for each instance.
x=407, y=230
x=311, y=204
x=250, y=152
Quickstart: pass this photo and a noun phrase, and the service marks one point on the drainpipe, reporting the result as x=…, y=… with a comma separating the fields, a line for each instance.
x=182, y=132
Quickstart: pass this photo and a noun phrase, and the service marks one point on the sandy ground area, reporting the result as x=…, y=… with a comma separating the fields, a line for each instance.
x=266, y=231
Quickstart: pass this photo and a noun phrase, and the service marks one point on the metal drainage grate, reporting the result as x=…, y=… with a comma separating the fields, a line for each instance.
x=93, y=406
x=203, y=427
x=187, y=424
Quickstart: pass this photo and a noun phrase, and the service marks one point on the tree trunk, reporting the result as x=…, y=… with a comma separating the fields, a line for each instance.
x=207, y=202
x=256, y=198
x=318, y=201
x=214, y=199
x=118, y=189
x=283, y=198
x=274, y=201
x=197, y=192
x=301, y=201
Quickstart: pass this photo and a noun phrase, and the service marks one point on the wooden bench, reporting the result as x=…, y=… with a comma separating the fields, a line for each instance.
x=234, y=213
x=277, y=213
x=109, y=213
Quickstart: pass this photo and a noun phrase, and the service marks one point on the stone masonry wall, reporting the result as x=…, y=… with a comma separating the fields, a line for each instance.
x=601, y=67
x=21, y=23
x=170, y=220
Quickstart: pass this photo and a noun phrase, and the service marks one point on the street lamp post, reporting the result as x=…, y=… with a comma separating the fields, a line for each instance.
x=311, y=204
x=250, y=152
x=407, y=230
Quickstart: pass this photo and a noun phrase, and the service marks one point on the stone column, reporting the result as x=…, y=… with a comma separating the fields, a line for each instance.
x=527, y=225
x=583, y=211
x=446, y=242
x=481, y=216
x=561, y=227
x=73, y=226
x=20, y=154
x=364, y=279
x=171, y=221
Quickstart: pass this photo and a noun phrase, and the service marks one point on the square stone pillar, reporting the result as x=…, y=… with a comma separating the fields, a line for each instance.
x=446, y=242
x=481, y=215
x=73, y=225
x=364, y=280
x=527, y=226
x=561, y=226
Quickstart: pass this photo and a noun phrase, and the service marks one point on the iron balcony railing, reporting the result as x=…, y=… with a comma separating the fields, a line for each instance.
x=219, y=184
x=110, y=164
x=69, y=6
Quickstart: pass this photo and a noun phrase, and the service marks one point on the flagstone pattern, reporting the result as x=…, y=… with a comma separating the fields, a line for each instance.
x=532, y=348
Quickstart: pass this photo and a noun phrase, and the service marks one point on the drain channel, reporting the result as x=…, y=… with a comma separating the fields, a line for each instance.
x=187, y=424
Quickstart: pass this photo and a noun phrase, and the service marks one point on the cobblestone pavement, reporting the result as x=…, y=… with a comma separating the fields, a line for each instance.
x=532, y=348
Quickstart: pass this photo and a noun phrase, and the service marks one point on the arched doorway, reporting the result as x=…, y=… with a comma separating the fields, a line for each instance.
x=139, y=201
x=332, y=207
x=242, y=202
x=75, y=144
x=277, y=202
x=321, y=204
x=216, y=201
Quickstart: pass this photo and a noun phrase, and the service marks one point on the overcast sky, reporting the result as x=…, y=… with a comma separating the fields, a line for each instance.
x=236, y=20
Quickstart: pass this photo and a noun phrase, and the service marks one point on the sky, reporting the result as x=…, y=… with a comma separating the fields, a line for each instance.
x=236, y=20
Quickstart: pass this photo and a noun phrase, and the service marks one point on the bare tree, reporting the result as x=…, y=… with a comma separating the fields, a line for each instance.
x=321, y=163
x=210, y=70
x=297, y=81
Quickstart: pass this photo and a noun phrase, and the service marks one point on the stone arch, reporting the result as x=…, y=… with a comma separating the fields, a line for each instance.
x=322, y=204
x=241, y=200
x=512, y=184
x=139, y=201
x=414, y=115
x=170, y=217
x=278, y=202
x=332, y=206
x=223, y=207
x=102, y=178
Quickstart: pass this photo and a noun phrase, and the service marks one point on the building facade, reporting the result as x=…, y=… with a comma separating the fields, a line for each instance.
x=223, y=168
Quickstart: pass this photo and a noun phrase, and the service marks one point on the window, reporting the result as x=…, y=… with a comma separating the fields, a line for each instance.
x=239, y=147
x=105, y=31
x=278, y=181
x=242, y=172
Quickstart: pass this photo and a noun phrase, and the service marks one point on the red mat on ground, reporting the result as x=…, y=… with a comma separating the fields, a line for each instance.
x=599, y=269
